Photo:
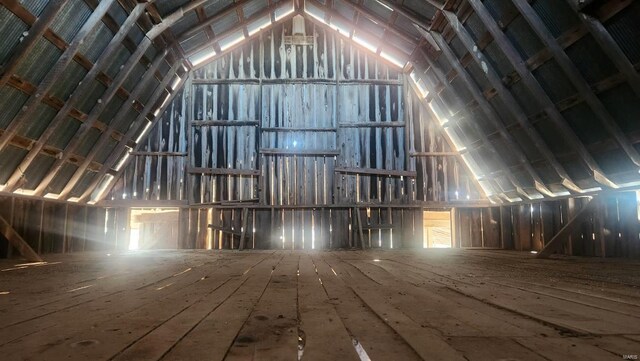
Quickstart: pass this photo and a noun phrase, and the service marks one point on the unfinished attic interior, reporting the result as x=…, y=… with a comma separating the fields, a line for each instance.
x=319, y=179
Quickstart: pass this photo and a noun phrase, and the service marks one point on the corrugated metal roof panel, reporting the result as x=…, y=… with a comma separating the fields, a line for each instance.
x=380, y=10
x=193, y=42
x=523, y=38
x=35, y=7
x=83, y=183
x=500, y=9
x=106, y=151
x=497, y=59
x=11, y=29
x=553, y=137
x=253, y=7
x=95, y=43
x=39, y=61
x=420, y=7
x=213, y=7
x=70, y=19
x=134, y=77
x=186, y=22
x=554, y=81
x=118, y=13
x=63, y=134
x=623, y=104
x=86, y=103
x=10, y=158
x=588, y=57
x=61, y=179
x=343, y=9
x=475, y=27
x=624, y=28
x=585, y=124
x=74, y=73
x=38, y=169
x=478, y=76
x=136, y=34
x=224, y=24
x=88, y=142
x=148, y=90
x=614, y=161
x=526, y=145
x=11, y=101
x=407, y=26
x=556, y=15
x=117, y=61
x=524, y=98
x=111, y=109
x=166, y=7
x=38, y=121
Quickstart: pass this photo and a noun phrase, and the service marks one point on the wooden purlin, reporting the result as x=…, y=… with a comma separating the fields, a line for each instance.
x=529, y=81
x=53, y=75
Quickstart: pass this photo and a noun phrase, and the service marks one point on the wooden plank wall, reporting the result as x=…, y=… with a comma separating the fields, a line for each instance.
x=611, y=230
x=54, y=227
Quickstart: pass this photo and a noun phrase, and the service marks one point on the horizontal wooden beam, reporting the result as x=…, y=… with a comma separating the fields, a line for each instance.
x=395, y=124
x=159, y=154
x=297, y=129
x=373, y=171
x=224, y=171
x=300, y=152
x=225, y=123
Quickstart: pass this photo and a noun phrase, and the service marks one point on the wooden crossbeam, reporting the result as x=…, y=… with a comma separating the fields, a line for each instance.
x=18, y=242
x=224, y=171
x=375, y=171
x=565, y=232
x=511, y=53
x=300, y=152
x=578, y=81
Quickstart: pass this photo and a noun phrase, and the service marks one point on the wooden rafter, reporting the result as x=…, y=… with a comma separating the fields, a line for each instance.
x=132, y=132
x=529, y=81
x=53, y=76
x=583, y=87
x=60, y=117
x=215, y=18
x=514, y=108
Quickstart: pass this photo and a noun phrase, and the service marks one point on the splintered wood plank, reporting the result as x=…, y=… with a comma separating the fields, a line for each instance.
x=324, y=334
x=427, y=342
x=214, y=335
x=271, y=330
x=113, y=323
x=372, y=332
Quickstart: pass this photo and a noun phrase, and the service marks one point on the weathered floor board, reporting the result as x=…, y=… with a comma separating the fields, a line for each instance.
x=347, y=305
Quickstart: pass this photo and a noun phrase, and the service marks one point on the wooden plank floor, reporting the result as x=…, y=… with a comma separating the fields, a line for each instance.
x=343, y=305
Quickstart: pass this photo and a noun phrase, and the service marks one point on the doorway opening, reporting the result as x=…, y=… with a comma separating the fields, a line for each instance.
x=437, y=229
x=155, y=228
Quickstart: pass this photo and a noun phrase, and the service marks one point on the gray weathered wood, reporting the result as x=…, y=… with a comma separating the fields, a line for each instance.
x=18, y=242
